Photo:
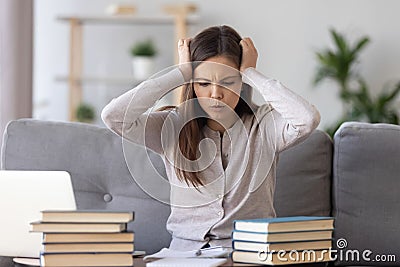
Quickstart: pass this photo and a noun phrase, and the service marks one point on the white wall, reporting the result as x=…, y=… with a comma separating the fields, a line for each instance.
x=286, y=33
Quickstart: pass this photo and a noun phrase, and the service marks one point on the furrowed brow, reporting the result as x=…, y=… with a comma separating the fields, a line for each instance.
x=201, y=79
x=223, y=79
x=229, y=77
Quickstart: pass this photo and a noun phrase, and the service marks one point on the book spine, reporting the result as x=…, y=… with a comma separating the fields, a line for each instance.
x=84, y=253
x=286, y=232
x=96, y=216
x=122, y=237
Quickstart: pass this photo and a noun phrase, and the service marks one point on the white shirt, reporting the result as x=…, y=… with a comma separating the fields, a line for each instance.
x=240, y=181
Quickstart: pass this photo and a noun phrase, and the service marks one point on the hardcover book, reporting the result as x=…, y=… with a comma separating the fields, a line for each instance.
x=88, y=259
x=77, y=227
x=97, y=216
x=88, y=237
x=285, y=224
x=88, y=247
x=274, y=259
x=282, y=237
x=277, y=246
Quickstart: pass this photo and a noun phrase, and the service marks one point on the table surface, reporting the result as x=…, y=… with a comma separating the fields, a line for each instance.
x=139, y=262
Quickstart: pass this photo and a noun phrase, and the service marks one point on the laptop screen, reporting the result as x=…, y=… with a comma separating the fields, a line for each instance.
x=23, y=195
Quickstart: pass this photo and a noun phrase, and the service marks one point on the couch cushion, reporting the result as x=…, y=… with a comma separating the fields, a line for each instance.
x=303, y=181
x=6, y=262
x=366, y=183
x=92, y=155
x=94, y=158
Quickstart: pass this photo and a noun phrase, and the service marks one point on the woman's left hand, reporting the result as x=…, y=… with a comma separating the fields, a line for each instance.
x=249, y=54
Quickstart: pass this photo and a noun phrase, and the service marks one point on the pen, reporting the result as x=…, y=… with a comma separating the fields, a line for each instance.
x=200, y=251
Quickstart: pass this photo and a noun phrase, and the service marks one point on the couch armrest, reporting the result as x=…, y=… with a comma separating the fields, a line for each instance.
x=366, y=199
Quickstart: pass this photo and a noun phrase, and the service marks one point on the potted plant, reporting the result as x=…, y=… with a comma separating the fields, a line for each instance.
x=143, y=59
x=85, y=113
x=338, y=65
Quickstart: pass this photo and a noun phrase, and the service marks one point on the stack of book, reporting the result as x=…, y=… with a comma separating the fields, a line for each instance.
x=85, y=238
x=284, y=240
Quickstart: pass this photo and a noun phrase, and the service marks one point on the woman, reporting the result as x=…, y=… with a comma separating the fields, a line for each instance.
x=219, y=149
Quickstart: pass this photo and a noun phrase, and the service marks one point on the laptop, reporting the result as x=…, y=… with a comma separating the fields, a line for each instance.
x=23, y=195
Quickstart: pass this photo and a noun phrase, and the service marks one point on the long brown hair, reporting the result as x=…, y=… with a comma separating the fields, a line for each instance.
x=211, y=42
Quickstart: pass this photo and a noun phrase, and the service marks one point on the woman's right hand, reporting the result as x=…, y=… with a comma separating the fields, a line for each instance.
x=184, y=58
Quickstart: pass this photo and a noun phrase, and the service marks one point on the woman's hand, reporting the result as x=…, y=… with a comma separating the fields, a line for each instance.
x=249, y=54
x=184, y=58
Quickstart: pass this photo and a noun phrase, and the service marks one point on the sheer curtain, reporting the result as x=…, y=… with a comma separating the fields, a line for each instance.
x=16, y=46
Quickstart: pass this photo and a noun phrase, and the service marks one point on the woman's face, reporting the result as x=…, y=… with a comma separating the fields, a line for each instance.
x=217, y=85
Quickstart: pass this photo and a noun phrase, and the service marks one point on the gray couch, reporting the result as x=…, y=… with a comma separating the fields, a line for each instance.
x=355, y=178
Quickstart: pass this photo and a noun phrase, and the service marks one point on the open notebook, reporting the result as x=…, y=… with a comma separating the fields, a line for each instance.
x=212, y=252
x=207, y=257
x=184, y=262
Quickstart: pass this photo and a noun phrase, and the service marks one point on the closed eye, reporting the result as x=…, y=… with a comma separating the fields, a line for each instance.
x=227, y=83
x=203, y=84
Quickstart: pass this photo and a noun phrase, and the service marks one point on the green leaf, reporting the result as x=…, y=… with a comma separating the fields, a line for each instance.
x=144, y=48
x=359, y=46
x=393, y=94
x=340, y=41
x=323, y=73
x=337, y=64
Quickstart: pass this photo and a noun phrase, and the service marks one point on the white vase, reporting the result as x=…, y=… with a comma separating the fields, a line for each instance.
x=143, y=67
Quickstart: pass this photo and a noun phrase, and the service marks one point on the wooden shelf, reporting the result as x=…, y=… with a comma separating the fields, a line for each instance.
x=180, y=16
x=127, y=19
x=100, y=80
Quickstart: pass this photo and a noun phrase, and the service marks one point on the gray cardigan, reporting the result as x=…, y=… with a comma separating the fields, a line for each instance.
x=239, y=176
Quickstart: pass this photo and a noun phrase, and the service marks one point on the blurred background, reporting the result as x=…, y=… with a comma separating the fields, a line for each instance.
x=52, y=50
